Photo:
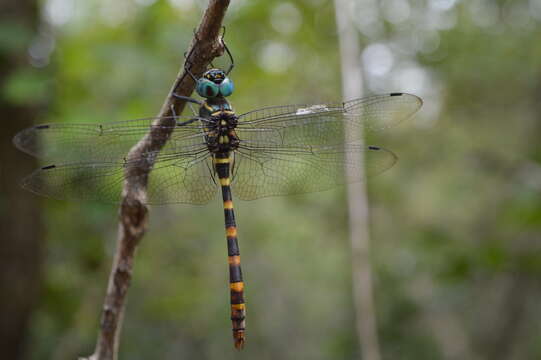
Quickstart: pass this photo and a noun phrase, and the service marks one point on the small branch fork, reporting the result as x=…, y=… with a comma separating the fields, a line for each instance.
x=205, y=46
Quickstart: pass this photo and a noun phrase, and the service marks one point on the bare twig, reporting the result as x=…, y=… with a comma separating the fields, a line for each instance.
x=133, y=212
x=357, y=199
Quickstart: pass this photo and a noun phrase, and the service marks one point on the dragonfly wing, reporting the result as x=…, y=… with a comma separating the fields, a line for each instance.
x=380, y=112
x=174, y=179
x=268, y=171
x=107, y=142
x=324, y=124
x=188, y=181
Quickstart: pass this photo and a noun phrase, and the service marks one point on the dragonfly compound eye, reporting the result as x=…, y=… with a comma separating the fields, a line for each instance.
x=207, y=88
x=226, y=87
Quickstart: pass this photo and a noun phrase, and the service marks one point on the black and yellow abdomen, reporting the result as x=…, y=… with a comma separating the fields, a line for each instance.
x=236, y=284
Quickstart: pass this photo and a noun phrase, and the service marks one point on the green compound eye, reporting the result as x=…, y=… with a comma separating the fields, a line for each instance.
x=226, y=87
x=207, y=88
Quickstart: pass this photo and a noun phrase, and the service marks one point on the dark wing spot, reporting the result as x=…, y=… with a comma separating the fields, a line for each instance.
x=48, y=167
x=374, y=148
x=396, y=94
x=42, y=127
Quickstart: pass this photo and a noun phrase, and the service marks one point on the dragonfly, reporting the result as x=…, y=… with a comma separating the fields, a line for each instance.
x=271, y=151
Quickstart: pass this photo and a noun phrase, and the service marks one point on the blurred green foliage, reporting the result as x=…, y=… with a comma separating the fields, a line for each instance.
x=456, y=224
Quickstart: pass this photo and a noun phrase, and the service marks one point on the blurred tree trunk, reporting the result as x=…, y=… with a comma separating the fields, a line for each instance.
x=20, y=239
x=357, y=200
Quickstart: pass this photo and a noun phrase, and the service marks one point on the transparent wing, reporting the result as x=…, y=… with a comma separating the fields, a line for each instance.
x=270, y=171
x=324, y=124
x=107, y=142
x=380, y=112
x=305, y=148
x=175, y=178
x=284, y=150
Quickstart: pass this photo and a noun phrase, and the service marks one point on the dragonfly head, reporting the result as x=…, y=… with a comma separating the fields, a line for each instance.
x=214, y=83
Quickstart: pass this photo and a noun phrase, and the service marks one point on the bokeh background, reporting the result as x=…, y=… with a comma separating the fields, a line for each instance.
x=456, y=224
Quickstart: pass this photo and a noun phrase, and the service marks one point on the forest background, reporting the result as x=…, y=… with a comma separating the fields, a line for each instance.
x=455, y=225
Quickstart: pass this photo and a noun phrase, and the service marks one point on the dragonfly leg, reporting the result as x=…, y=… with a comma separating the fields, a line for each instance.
x=236, y=284
x=192, y=109
x=187, y=63
x=172, y=108
x=232, y=65
x=188, y=122
x=188, y=99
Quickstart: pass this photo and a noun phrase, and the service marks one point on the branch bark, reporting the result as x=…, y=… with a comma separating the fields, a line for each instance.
x=363, y=297
x=205, y=46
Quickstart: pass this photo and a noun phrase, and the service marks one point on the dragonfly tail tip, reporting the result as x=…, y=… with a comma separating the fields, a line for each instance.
x=239, y=341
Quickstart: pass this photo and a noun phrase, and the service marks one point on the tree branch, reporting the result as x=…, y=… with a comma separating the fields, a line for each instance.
x=205, y=46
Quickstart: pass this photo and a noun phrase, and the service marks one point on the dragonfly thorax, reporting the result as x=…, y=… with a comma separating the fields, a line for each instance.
x=220, y=126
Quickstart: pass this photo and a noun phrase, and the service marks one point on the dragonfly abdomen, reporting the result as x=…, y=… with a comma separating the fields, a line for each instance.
x=236, y=284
